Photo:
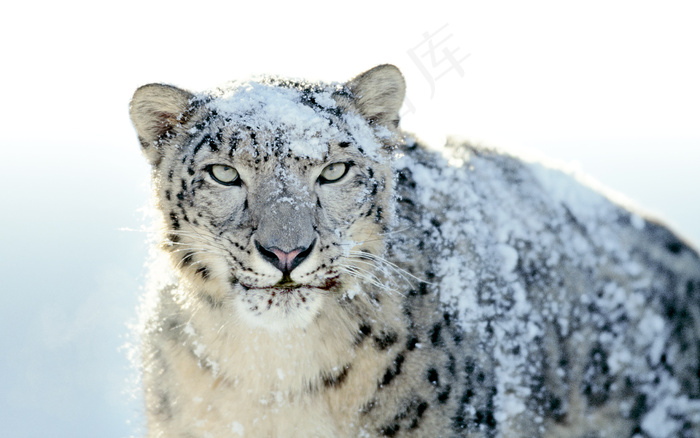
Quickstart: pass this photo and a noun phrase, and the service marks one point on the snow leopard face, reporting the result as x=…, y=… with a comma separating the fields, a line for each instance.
x=273, y=193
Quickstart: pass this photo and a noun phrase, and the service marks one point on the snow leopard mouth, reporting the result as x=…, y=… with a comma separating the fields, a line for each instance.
x=284, y=287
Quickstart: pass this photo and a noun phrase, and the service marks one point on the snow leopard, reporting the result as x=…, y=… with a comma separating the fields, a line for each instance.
x=332, y=276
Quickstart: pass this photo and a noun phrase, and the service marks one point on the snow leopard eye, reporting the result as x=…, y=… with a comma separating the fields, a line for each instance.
x=333, y=172
x=224, y=174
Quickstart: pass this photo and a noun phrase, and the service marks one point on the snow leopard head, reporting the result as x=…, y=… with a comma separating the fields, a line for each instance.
x=274, y=193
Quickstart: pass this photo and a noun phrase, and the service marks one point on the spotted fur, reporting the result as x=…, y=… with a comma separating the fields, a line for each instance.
x=404, y=292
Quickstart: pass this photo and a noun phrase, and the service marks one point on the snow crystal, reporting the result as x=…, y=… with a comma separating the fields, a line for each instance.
x=509, y=256
x=352, y=291
x=189, y=330
x=237, y=428
x=214, y=366
x=510, y=406
x=652, y=327
x=637, y=221
x=198, y=349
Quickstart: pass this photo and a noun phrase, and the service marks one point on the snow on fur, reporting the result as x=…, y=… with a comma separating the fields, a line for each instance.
x=493, y=210
x=572, y=314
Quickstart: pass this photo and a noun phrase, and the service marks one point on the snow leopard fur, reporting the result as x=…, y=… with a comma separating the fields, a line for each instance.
x=333, y=277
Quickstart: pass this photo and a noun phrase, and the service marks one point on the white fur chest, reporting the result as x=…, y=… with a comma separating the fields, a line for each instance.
x=219, y=377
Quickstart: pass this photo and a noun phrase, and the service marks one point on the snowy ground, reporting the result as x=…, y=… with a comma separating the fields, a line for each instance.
x=612, y=88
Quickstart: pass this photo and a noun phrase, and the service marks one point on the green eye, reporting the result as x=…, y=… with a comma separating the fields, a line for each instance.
x=224, y=174
x=333, y=172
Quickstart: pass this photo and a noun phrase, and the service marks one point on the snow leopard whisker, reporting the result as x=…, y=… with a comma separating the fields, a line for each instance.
x=384, y=262
x=376, y=281
x=191, y=252
x=200, y=249
x=192, y=231
x=360, y=242
x=377, y=263
x=363, y=274
x=391, y=233
x=372, y=264
x=381, y=237
x=187, y=259
x=195, y=235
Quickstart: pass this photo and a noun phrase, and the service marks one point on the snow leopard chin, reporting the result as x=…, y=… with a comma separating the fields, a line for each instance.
x=277, y=308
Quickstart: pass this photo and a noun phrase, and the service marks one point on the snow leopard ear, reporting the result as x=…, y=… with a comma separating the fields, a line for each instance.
x=156, y=110
x=378, y=94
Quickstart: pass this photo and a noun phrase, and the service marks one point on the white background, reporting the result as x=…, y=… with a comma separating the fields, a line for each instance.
x=609, y=87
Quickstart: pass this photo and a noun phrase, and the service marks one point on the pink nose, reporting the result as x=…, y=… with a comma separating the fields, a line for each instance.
x=283, y=260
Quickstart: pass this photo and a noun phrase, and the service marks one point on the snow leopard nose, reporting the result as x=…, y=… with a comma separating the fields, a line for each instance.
x=284, y=261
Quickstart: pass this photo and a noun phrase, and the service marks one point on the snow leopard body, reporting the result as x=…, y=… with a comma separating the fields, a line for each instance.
x=333, y=277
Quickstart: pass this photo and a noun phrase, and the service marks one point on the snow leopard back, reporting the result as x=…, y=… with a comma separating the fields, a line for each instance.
x=335, y=278
x=582, y=316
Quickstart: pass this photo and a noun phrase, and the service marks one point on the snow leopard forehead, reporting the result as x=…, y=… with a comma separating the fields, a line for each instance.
x=301, y=119
x=300, y=116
